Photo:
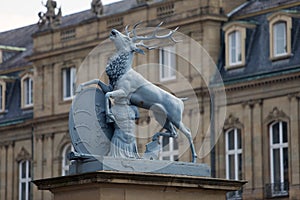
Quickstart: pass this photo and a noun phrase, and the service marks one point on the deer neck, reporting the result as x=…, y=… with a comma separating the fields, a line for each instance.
x=118, y=65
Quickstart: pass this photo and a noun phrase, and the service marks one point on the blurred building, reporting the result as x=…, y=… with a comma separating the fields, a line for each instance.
x=254, y=43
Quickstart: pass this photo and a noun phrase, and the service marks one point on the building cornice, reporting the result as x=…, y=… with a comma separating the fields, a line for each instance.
x=261, y=12
x=261, y=82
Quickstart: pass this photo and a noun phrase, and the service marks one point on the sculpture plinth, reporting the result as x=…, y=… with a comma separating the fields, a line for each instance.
x=108, y=185
x=139, y=165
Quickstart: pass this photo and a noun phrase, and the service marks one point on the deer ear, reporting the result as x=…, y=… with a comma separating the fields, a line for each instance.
x=138, y=50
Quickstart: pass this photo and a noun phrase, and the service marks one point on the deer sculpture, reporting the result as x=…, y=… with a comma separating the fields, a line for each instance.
x=126, y=82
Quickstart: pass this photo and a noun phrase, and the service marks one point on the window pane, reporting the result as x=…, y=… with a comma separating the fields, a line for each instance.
x=284, y=132
x=175, y=144
x=275, y=129
x=68, y=151
x=238, y=46
x=29, y=169
x=232, y=42
x=230, y=136
x=176, y=158
x=285, y=164
x=23, y=191
x=166, y=158
x=165, y=143
x=279, y=32
x=239, y=139
x=276, y=165
x=1, y=97
x=231, y=167
x=31, y=91
x=23, y=169
x=167, y=63
x=73, y=78
x=240, y=167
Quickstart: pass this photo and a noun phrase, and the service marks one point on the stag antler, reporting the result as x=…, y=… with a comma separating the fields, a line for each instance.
x=150, y=37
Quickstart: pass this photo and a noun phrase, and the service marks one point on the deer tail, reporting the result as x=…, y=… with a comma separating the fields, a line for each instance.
x=184, y=99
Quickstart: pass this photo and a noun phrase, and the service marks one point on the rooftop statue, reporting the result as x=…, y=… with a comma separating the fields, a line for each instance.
x=128, y=89
x=97, y=7
x=50, y=17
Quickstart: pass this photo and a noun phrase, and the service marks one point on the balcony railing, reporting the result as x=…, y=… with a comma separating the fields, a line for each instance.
x=235, y=195
x=276, y=189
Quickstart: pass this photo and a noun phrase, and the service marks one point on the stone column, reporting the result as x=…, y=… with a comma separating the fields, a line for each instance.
x=257, y=161
x=38, y=171
x=10, y=171
x=247, y=141
x=3, y=166
x=294, y=148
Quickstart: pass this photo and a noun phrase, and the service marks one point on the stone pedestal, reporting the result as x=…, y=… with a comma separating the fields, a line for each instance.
x=112, y=185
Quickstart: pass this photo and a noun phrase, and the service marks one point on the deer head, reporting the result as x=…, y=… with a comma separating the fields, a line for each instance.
x=126, y=43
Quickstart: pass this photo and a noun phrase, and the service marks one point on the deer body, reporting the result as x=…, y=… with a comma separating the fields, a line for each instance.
x=126, y=82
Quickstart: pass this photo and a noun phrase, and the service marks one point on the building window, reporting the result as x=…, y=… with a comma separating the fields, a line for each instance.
x=280, y=26
x=279, y=158
x=67, y=35
x=235, y=36
x=167, y=60
x=69, y=78
x=235, y=43
x=24, y=180
x=27, y=91
x=233, y=151
x=65, y=161
x=165, y=10
x=2, y=96
x=169, y=149
x=235, y=52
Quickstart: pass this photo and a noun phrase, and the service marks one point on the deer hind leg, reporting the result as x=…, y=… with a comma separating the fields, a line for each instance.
x=161, y=117
x=188, y=134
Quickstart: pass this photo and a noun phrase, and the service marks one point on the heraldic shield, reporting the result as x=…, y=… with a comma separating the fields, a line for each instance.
x=89, y=132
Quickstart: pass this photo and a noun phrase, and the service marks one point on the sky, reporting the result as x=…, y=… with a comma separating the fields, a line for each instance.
x=16, y=13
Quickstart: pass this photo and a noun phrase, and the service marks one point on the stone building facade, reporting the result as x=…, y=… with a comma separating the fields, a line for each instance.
x=259, y=64
x=38, y=73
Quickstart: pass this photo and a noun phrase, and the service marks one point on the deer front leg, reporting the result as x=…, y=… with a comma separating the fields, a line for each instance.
x=105, y=88
x=114, y=94
x=82, y=85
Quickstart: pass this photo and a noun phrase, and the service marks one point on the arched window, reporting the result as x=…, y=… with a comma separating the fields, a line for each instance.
x=278, y=132
x=280, y=25
x=24, y=180
x=65, y=161
x=27, y=91
x=233, y=150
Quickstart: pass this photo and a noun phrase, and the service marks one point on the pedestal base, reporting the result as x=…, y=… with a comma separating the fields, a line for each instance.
x=108, y=185
x=142, y=165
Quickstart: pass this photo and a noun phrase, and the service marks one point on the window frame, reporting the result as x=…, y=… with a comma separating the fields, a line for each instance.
x=26, y=180
x=170, y=66
x=273, y=20
x=281, y=145
x=24, y=102
x=242, y=46
x=3, y=95
x=229, y=28
x=171, y=153
x=236, y=151
x=72, y=83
